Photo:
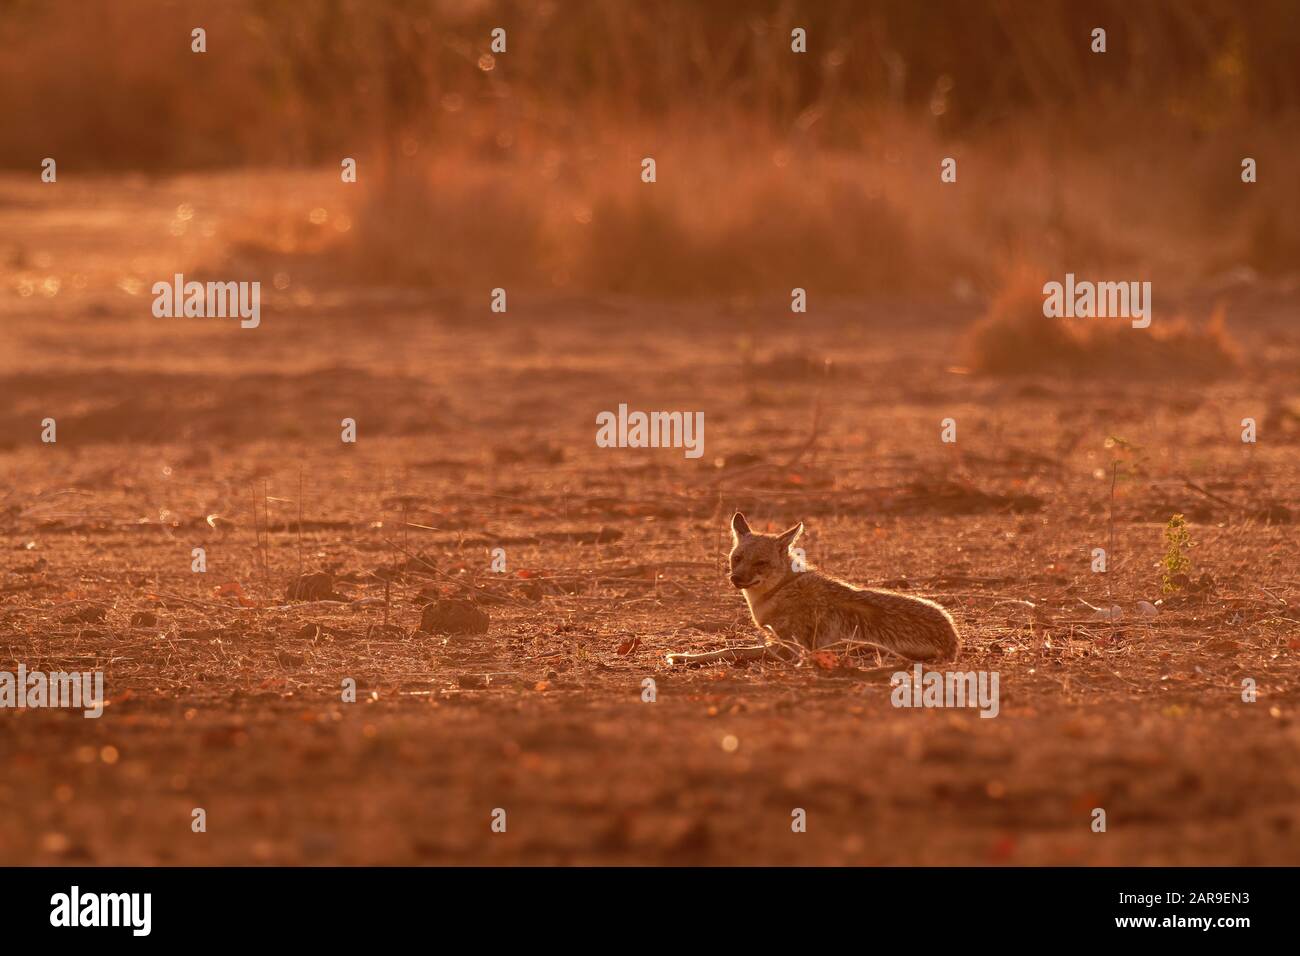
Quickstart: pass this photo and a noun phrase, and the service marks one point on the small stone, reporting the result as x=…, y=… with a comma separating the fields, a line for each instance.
x=453, y=616
x=316, y=586
x=87, y=615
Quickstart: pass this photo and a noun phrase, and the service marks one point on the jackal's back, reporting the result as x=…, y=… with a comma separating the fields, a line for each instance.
x=816, y=610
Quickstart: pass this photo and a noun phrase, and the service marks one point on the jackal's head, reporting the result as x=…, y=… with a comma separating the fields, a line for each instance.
x=760, y=561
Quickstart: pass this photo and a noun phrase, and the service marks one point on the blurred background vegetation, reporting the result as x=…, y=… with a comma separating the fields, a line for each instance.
x=114, y=83
x=775, y=169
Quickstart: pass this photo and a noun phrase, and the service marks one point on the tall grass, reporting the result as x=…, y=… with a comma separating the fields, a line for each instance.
x=115, y=85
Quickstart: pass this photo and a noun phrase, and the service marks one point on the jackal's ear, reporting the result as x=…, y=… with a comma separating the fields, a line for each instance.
x=739, y=526
x=788, y=538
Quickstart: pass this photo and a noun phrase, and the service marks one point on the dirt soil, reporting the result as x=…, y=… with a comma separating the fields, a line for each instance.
x=476, y=432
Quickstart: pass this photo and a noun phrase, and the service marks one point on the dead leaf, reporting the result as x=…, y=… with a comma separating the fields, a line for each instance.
x=234, y=589
x=826, y=660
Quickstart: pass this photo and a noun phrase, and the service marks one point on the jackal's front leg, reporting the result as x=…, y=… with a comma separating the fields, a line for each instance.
x=732, y=655
x=774, y=653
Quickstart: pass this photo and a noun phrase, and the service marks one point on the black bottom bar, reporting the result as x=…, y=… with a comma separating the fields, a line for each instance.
x=369, y=906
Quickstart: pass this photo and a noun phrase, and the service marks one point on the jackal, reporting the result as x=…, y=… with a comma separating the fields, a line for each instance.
x=801, y=606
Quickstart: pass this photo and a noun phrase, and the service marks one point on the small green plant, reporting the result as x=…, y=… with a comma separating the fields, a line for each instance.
x=1175, y=565
x=1134, y=457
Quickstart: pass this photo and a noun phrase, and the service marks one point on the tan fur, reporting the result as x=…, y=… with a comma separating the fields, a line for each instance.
x=816, y=611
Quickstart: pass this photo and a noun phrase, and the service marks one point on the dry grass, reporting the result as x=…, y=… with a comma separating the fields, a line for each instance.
x=1014, y=337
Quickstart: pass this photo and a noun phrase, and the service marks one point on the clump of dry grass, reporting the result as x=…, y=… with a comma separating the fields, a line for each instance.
x=1014, y=337
x=760, y=233
x=476, y=227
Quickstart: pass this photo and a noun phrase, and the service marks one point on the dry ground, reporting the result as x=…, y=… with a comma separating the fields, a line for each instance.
x=476, y=431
